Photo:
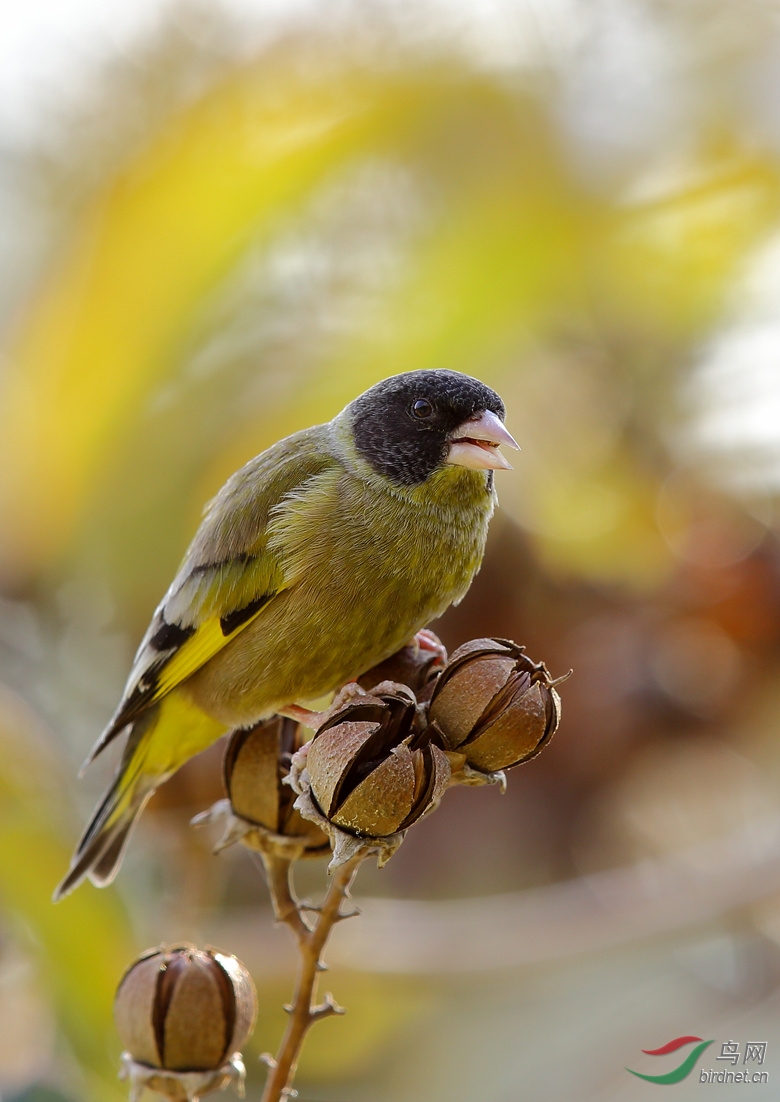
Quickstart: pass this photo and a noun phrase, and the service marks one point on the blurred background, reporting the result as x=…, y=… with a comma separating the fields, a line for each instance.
x=220, y=222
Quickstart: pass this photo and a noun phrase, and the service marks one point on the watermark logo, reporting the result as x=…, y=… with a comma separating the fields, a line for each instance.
x=730, y=1052
x=683, y=1070
x=753, y=1052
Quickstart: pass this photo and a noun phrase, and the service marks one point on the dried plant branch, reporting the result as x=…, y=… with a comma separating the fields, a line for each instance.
x=286, y=907
x=311, y=941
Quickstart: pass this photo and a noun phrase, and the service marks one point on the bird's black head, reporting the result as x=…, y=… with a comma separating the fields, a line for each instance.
x=406, y=426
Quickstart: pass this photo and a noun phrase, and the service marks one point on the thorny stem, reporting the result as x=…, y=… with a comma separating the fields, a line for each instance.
x=311, y=942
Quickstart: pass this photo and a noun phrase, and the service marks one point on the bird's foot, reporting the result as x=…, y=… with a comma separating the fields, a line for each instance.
x=305, y=716
x=314, y=720
x=427, y=640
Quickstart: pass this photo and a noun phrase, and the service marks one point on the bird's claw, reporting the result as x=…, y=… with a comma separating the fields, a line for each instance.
x=428, y=640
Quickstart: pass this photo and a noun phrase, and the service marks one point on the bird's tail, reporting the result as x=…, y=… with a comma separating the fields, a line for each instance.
x=158, y=742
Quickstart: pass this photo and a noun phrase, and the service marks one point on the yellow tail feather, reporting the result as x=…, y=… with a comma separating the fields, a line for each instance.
x=158, y=743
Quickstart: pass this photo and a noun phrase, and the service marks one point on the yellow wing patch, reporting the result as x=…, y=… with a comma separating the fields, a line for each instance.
x=154, y=684
x=208, y=639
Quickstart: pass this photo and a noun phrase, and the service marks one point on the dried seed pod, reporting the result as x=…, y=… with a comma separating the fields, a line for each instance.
x=414, y=665
x=185, y=1010
x=371, y=773
x=495, y=705
x=256, y=762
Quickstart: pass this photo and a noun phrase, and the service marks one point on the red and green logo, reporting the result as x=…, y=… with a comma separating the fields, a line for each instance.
x=684, y=1069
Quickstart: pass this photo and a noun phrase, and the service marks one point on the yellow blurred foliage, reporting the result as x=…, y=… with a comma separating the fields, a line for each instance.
x=511, y=244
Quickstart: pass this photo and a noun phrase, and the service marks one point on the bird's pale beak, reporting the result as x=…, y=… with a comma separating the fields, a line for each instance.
x=475, y=443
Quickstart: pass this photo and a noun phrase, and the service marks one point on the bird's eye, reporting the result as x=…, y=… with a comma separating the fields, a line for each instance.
x=422, y=409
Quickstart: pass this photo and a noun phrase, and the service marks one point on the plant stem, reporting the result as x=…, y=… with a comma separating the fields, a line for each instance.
x=311, y=942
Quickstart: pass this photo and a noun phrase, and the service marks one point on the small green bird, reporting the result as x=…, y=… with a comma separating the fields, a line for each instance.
x=318, y=559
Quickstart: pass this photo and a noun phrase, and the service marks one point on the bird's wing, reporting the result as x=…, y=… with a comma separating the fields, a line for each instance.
x=228, y=575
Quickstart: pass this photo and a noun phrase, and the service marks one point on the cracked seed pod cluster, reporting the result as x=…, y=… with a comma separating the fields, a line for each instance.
x=383, y=759
x=182, y=1015
x=384, y=755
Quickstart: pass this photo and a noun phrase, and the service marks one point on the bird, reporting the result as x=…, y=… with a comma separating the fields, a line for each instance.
x=318, y=559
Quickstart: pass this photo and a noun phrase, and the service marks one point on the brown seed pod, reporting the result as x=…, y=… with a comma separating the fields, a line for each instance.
x=256, y=762
x=494, y=704
x=371, y=773
x=185, y=1010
